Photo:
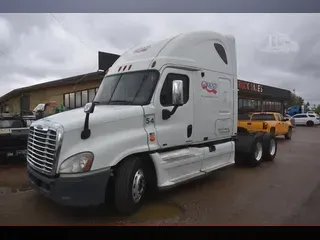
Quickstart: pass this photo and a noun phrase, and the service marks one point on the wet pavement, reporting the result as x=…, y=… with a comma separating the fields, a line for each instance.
x=286, y=191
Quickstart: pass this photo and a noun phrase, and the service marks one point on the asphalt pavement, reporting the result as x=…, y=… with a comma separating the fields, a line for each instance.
x=282, y=192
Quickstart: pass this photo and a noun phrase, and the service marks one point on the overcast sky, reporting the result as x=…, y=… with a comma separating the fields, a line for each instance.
x=35, y=48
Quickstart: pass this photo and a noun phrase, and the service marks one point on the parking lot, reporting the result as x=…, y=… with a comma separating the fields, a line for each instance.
x=286, y=191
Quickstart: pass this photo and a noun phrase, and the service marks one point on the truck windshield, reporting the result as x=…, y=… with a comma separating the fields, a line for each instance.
x=263, y=117
x=133, y=88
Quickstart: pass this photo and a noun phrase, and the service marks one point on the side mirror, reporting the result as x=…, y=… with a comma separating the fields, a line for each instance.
x=177, y=92
x=88, y=108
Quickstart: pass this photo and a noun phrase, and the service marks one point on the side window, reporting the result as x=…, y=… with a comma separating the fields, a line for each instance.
x=280, y=117
x=303, y=116
x=166, y=91
x=222, y=53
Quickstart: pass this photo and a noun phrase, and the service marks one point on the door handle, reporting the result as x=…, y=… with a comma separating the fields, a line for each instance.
x=248, y=123
x=189, y=131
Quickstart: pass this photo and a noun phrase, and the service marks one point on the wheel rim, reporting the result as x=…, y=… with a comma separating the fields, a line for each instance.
x=272, y=148
x=138, y=186
x=258, y=152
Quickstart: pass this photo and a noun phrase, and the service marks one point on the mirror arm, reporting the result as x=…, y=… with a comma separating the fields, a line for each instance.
x=174, y=109
x=86, y=133
x=166, y=114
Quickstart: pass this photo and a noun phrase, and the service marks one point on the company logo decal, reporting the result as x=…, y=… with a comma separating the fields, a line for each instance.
x=209, y=87
x=142, y=49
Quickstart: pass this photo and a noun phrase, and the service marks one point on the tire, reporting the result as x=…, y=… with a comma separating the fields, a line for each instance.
x=256, y=153
x=270, y=147
x=310, y=124
x=130, y=186
x=288, y=135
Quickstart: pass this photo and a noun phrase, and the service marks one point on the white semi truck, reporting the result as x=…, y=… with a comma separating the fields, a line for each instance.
x=165, y=113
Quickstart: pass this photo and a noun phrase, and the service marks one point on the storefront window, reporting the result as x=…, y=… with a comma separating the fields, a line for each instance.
x=240, y=103
x=66, y=100
x=72, y=100
x=78, y=99
x=84, y=97
x=245, y=103
x=91, y=94
x=259, y=105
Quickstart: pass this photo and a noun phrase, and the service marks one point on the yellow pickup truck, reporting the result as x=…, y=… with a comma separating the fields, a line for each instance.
x=271, y=122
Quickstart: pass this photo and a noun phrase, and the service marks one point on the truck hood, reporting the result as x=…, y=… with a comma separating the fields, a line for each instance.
x=74, y=119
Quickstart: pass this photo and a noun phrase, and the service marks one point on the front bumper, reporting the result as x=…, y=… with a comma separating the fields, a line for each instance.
x=78, y=190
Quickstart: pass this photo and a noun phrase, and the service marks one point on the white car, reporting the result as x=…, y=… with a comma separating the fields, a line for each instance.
x=292, y=120
x=306, y=119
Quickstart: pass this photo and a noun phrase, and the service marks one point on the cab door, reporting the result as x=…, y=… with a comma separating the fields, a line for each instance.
x=177, y=130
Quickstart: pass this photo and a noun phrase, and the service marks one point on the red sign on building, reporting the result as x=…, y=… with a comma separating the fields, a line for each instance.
x=248, y=86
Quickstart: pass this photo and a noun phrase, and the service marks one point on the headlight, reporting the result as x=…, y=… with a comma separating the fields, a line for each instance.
x=80, y=162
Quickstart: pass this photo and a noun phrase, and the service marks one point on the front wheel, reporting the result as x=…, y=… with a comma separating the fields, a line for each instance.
x=130, y=186
x=288, y=135
x=310, y=124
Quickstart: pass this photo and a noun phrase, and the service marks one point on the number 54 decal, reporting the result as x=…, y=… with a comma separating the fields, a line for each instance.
x=149, y=120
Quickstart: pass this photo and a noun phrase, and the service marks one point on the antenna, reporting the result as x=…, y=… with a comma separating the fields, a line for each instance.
x=83, y=77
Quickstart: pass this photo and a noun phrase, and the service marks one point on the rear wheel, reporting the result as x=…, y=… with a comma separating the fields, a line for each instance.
x=256, y=154
x=270, y=147
x=310, y=123
x=288, y=135
x=130, y=186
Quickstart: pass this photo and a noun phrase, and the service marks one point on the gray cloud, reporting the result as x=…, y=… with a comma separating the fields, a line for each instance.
x=38, y=48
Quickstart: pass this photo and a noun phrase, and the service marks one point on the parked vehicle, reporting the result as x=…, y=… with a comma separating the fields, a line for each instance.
x=165, y=113
x=14, y=131
x=306, y=119
x=291, y=119
x=269, y=122
x=297, y=109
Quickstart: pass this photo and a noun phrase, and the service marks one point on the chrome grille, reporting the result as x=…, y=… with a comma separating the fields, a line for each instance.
x=41, y=149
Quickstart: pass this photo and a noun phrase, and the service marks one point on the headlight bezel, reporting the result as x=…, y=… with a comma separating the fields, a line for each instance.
x=75, y=159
